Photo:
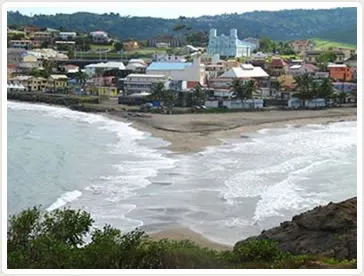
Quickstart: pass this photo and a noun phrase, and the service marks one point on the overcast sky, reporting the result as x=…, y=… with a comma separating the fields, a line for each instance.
x=166, y=9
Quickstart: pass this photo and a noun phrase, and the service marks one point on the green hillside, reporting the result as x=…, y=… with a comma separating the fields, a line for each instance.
x=332, y=24
x=321, y=44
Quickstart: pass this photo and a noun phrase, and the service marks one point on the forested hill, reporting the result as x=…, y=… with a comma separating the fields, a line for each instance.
x=333, y=24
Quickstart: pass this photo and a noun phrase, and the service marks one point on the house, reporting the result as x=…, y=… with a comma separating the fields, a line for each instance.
x=31, y=84
x=169, y=41
x=100, y=37
x=30, y=29
x=277, y=67
x=14, y=55
x=92, y=69
x=54, y=32
x=11, y=70
x=301, y=69
x=301, y=46
x=137, y=65
x=312, y=56
x=351, y=61
x=67, y=35
x=245, y=72
x=42, y=36
x=228, y=46
x=36, y=44
x=258, y=59
x=138, y=83
x=24, y=44
x=57, y=83
x=161, y=57
x=191, y=72
x=215, y=70
x=340, y=72
x=346, y=51
x=69, y=68
x=130, y=45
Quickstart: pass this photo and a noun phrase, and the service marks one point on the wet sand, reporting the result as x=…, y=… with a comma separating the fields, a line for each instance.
x=194, y=132
x=179, y=234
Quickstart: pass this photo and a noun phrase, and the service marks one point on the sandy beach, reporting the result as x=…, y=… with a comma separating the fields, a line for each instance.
x=194, y=132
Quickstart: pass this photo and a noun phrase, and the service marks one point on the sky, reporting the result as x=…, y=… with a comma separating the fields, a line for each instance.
x=166, y=9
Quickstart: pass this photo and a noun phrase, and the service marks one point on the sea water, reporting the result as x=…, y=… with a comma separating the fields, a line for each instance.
x=58, y=157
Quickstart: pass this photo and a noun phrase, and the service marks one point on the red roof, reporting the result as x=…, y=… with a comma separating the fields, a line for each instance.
x=311, y=67
x=11, y=66
x=277, y=62
x=192, y=84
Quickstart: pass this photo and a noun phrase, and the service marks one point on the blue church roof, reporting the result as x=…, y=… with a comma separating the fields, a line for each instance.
x=168, y=65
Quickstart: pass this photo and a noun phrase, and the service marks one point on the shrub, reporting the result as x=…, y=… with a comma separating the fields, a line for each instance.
x=258, y=250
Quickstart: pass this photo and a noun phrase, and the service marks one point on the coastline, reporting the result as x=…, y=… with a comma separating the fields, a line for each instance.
x=191, y=133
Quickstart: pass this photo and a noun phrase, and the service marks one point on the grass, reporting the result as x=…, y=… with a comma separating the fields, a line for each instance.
x=321, y=44
x=98, y=46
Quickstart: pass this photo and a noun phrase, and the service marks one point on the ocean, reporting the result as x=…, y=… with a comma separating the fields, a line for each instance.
x=61, y=158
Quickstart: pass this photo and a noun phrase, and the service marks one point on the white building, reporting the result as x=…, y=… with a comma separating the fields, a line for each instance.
x=67, y=35
x=193, y=73
x=100, y=37
x=228, y=46
x=160, y=57
x=91, y=69
x=139, y=83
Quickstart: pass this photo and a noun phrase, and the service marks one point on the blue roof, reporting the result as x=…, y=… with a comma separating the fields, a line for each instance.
x=168, y=65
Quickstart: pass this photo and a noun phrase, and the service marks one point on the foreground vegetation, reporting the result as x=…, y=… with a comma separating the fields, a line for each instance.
x=66, y=239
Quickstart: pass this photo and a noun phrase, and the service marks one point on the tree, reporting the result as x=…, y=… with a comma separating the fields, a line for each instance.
x=170, y=98
x=327, y=57
x=70, y=53
x=325, y=89
x=304, y=84
x=44, y=44
x=81, y=77
x=118, y=46
x=198, y=96
x=158, y=92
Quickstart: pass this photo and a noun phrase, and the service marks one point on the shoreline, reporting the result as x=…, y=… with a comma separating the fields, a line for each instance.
x=198, y=137
x=198, y=140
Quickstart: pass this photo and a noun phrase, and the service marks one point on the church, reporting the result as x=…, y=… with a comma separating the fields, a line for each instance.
x=228, y=46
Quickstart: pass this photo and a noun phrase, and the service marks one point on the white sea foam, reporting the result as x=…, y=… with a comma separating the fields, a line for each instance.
x=64, y=199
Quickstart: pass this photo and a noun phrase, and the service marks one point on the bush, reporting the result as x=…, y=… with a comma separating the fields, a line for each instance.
x=57, y=240
x=258, y=250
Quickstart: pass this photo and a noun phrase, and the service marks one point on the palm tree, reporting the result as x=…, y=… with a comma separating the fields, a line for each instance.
x=237, y=86
x=198, y=95
x=243, y=90
x=158, y=92
x=325, y=89
x=304, y=86
x=170, y=98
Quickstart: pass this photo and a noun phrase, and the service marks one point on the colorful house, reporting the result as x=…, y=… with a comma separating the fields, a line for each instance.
x=340, y=72
x=57, y=83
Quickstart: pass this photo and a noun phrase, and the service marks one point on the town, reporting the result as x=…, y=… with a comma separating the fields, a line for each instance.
x=164, y=73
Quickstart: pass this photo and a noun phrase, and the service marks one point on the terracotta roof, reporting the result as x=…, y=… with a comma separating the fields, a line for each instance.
x=277, y=62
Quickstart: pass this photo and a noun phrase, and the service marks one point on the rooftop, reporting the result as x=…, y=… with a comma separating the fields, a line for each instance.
x=58, y=77
x=168, y=65
x=145, y=76
x=239, y=72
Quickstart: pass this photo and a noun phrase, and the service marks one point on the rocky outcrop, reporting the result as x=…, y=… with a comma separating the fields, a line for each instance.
x=329, y=231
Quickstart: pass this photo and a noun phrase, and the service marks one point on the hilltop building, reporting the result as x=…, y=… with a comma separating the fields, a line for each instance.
x=228, y=46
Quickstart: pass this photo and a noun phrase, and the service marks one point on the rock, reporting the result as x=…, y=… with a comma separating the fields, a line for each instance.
x=329, y=230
